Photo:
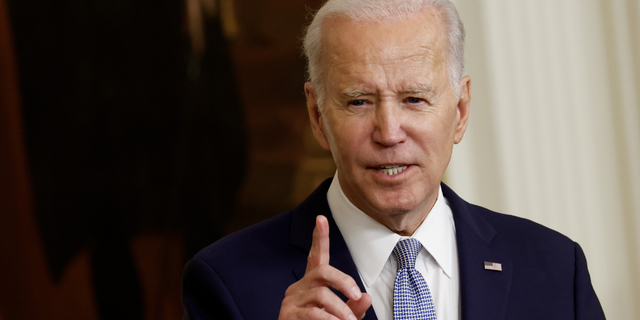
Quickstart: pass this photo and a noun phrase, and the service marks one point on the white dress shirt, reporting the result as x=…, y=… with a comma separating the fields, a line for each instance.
x=371, y=245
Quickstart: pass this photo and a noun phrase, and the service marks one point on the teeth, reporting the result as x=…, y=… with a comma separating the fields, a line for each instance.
x=392, y=170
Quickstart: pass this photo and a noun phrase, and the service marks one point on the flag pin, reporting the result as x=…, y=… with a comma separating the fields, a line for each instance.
x=495, y=266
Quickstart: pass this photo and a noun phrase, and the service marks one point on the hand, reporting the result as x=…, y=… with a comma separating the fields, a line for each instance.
x=311, y=298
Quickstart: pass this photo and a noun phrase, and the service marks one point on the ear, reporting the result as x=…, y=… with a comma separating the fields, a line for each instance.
x=463, y=108
x=315, y=116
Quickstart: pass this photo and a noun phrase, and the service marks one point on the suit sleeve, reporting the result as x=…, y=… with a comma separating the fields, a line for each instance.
x=204, y=294
x=587, y=305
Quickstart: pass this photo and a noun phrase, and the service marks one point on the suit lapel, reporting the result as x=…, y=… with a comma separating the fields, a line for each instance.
x=484, y=293
x=302, y=223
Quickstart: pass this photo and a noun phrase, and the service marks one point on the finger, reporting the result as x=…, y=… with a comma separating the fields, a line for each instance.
x=323, y=297
x=326, y=275
x=311, y=313
x=314, y=304
x=360, y=307
x=319, y=253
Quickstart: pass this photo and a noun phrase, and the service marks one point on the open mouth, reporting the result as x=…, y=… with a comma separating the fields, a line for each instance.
x=392, y=170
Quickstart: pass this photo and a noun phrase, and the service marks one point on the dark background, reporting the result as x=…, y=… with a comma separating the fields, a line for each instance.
x=130, y=140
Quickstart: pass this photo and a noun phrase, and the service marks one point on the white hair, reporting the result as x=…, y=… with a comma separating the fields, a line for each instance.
x=377, y=11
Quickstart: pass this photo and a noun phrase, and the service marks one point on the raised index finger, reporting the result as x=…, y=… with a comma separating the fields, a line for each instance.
x=319, y=254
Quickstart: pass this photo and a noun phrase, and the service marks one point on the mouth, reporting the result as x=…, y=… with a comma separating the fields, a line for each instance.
x=392, y=170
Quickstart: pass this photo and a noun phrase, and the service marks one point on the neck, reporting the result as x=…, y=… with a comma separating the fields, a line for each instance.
x=404, y=223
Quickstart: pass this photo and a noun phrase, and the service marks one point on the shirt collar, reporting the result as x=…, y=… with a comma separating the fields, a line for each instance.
x=371, y=243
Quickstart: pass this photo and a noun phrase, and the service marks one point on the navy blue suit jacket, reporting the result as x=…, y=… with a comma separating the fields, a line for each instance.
x=544, y=274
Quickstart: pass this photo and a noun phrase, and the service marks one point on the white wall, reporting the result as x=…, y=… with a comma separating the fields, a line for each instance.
x=554, y=134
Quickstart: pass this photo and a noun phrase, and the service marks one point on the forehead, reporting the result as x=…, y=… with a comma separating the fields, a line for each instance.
x=415, y=43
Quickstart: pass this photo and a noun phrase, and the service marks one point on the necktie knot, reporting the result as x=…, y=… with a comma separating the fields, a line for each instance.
x=406, y=252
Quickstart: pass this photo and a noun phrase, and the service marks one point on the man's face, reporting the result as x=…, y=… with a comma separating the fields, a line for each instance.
x=390, y=116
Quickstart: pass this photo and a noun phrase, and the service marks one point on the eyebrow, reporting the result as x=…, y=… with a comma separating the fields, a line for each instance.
x=424, y=88
x=355, y=93
x=419, y=89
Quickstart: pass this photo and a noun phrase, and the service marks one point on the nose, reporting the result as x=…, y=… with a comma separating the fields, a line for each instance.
x=388, y=126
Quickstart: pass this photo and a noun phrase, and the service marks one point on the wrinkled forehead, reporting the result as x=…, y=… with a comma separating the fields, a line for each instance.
x=419, y=37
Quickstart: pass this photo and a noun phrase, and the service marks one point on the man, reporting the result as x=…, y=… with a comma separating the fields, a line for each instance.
x=386, y=96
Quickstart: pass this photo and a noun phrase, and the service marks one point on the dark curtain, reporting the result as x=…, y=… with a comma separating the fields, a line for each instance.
x=122, y=135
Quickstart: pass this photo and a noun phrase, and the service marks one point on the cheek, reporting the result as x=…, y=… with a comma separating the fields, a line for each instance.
x=433, y=136
x=443, y=125
x=349, y=138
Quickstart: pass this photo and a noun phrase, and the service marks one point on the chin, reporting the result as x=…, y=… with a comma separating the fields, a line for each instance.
x=395, y=205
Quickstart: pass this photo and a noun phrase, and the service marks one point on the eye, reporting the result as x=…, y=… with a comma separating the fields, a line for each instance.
x=413, y=100
x=357, y=103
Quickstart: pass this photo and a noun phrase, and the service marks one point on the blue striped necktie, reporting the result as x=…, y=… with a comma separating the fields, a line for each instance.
x=411, y=295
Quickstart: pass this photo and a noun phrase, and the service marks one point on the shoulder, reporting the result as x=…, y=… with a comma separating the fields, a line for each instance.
x=263, y=241
x=229, y=278
x=284, y=234
x=271, y=246
x=507, y=233
x=247, y=273
x=488, y=223
x=513, y=227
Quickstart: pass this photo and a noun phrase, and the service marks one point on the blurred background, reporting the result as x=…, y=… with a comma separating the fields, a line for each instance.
x=134, y=133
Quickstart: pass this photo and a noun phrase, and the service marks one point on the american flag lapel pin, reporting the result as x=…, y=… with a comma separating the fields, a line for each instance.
x=495, y=266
